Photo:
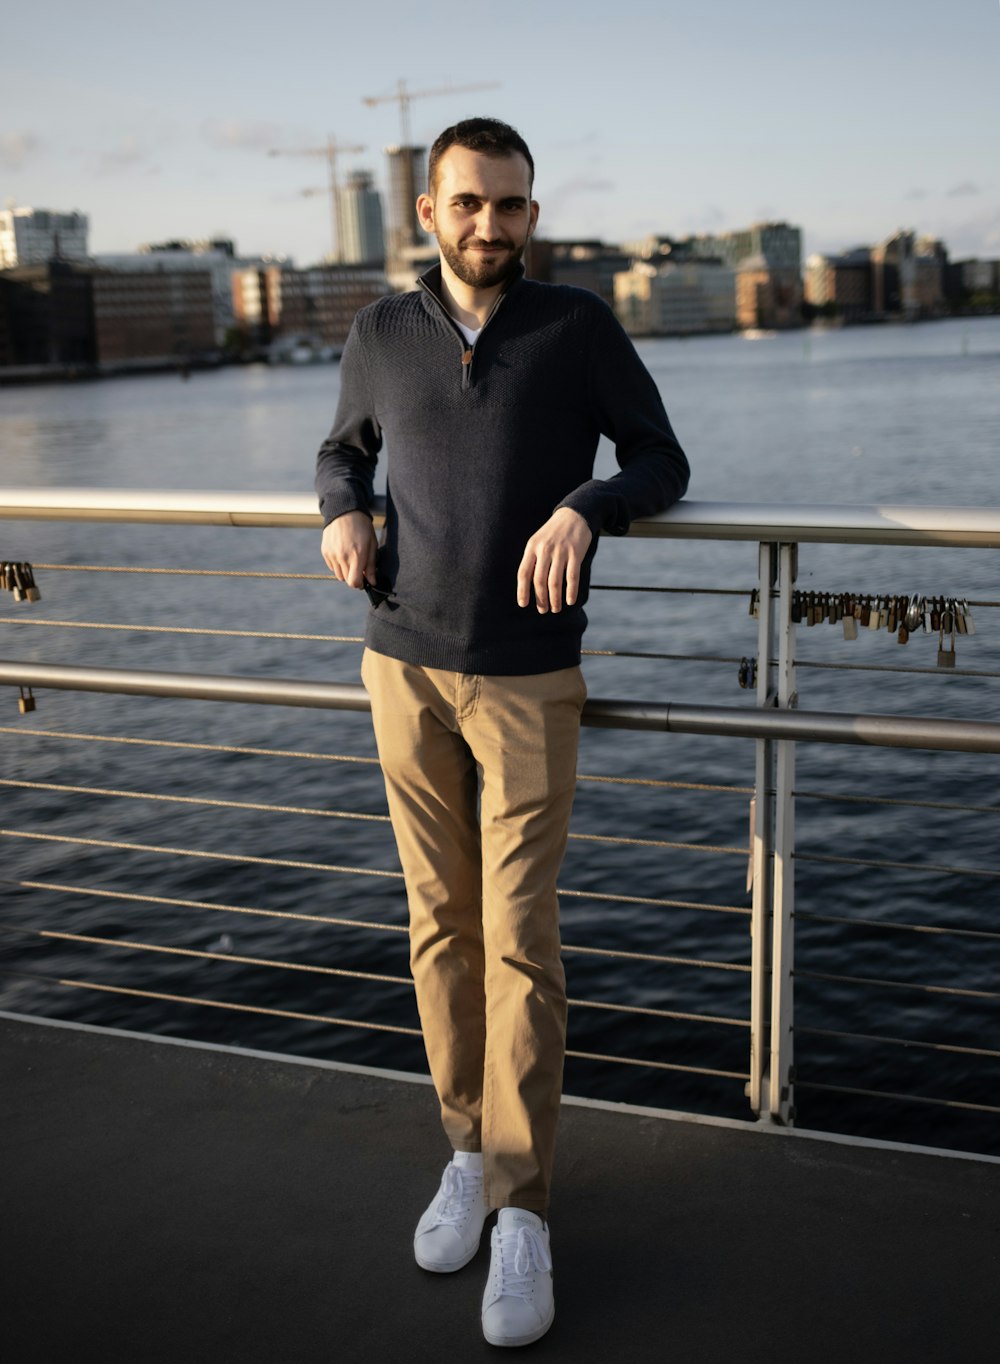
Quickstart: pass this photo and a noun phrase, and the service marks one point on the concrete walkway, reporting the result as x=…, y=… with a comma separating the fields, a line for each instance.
x=170, y=1203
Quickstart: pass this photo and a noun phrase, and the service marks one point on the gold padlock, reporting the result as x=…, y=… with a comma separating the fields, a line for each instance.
x=26, y=703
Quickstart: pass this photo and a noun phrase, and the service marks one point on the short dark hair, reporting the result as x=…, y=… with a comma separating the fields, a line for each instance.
x=488, y=136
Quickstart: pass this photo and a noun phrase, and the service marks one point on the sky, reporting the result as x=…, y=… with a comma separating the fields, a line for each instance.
x=643, y=116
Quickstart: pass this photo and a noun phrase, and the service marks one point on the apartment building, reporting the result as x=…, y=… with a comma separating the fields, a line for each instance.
x=840, y=285
x=32, y=236
x=676, y=299
x=153, y=316
x=320, y=301
x=359, y=216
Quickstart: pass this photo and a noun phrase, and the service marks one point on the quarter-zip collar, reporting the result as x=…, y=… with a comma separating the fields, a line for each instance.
x=430, y=283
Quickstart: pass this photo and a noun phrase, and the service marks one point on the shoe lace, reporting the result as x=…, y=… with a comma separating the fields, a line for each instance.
x=459, y=1190
x=523, y=1254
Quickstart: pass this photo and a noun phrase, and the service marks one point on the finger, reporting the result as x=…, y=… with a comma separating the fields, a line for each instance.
x=524, y=573
x=541, y=581
x=556, y=577
x=354, y=577
x=369, y=568
x=572, y=580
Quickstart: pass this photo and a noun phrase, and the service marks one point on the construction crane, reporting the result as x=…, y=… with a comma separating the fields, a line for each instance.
x=331, y=151
x=404, y=97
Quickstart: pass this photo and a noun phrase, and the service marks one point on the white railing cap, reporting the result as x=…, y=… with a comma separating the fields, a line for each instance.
x=789, y=523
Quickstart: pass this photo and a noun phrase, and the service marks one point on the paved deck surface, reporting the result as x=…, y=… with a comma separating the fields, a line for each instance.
x=171, y=1204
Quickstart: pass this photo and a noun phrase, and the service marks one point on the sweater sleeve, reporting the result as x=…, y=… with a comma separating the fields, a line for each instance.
x=630, y=412
x=345, y=465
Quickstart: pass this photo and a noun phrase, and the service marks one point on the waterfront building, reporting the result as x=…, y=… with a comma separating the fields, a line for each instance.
x=924, y=279
x=780, y=243
x=908, y=276
x=46, y=315
x=886, y=257
x=840, y=286
x=249, y=298
x=155, y=316
x=676, y=298
x=588, y=264
x=979, y=276
x=766, y=259
x=412, y=262
x=217, y=257
x=359, y=213
x=407, y=180
x=318, y=302
x=77, y=313
x=973, y=286
x=6, y=355
x=768, y=294
x=658, y=249
x=650, y=248
x=32, y=236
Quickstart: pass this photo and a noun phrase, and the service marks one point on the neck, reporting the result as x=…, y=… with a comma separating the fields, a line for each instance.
x=466, y=303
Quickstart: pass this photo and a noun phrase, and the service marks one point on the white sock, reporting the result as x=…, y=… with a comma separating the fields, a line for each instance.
x=469, y=1160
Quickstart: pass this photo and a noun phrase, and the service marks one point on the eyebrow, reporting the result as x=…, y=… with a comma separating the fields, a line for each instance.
x=502, y=198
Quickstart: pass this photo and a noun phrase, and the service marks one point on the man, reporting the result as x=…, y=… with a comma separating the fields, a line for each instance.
x=490, y=391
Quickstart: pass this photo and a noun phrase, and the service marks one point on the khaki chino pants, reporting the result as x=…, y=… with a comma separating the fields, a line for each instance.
x=480, y=774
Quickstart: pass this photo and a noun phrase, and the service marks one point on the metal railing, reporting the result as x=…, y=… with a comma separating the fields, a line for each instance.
x=774, y=723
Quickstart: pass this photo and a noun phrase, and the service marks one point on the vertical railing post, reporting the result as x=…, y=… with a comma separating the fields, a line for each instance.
x=781, y=1070
x=762, y=837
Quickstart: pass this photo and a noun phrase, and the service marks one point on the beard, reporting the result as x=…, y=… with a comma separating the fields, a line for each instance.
x=479, y=272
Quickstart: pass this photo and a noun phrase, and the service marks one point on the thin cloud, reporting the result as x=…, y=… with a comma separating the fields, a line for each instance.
x=916, y=193
x=127, y=156
x=16, y=149
x=580, y=184
x=703, y=221
x=233, y=134
x=964, y=188
x=583, y=140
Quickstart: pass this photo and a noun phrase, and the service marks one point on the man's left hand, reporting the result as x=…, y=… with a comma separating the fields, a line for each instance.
x=553, y=557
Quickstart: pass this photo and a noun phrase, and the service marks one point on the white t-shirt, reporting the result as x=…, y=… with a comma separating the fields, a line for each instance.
x=471, y=334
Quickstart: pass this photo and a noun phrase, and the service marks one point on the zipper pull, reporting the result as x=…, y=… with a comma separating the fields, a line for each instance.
x=467, y=356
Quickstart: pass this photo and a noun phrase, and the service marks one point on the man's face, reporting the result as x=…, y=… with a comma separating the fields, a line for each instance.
x=482, y=214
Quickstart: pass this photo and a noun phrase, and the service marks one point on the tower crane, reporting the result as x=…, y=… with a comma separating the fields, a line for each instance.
x=331, y=151
x=404, y=97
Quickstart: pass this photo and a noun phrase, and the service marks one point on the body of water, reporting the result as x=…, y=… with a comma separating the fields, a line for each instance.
x=903, y=414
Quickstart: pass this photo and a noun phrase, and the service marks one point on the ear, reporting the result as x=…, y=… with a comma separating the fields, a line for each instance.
x=532, y=216
x=425, y=212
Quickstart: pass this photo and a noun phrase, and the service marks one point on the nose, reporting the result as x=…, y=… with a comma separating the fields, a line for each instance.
x=487, y=229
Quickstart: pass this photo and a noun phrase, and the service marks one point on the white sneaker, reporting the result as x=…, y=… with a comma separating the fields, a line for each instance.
x=517, y=1305
x=448, y=1235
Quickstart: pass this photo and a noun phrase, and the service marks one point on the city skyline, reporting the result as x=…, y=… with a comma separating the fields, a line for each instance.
x=851, y=122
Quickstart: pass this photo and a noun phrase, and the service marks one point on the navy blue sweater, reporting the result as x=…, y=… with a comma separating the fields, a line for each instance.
x=481, y=451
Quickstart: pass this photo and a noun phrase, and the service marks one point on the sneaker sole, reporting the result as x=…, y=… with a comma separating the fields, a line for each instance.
x=519, y=1340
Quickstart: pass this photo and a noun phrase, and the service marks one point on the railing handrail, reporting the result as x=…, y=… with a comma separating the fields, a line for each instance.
x=689, y=520
x=774, y=723
x=745, y=722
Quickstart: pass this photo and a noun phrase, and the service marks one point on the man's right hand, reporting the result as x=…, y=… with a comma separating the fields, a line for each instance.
x=349, y=546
